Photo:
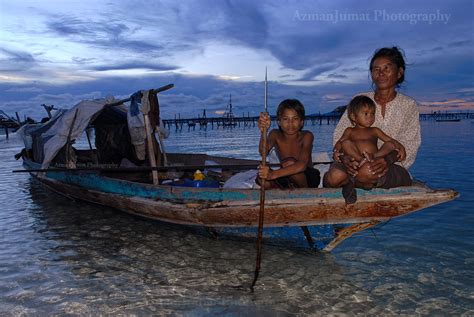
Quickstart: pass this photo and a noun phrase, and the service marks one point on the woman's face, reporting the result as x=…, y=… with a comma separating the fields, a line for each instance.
x=385, y=74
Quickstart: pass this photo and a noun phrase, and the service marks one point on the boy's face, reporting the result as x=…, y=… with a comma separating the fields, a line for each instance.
x=365, y=117
x=290, y=122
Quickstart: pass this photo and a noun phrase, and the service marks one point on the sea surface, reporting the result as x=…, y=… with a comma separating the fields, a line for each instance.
x=63, y=257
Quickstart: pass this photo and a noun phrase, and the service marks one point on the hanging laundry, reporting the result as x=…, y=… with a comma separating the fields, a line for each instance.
x=136, y=125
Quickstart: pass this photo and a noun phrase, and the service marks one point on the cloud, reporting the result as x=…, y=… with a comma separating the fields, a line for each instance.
x=99, y=32
x=69, y=51
x=135, y=65
x=14, y=60
x=24, y=89
x=318, y=70
x=444, y=102
x=446, y=105
x=337, y=76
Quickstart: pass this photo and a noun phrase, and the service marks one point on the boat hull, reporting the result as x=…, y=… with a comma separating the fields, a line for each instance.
x=232, y=212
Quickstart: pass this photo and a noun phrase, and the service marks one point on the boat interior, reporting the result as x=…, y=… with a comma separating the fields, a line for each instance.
x=106, y=148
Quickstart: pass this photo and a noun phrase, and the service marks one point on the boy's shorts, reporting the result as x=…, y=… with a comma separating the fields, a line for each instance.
x=313, y=178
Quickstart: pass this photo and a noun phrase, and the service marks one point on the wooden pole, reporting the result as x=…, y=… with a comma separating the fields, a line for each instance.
x=157, y=90
x=158, y=168
x=262, y=197
x=68, y=141
x=149, y=134
x=151, y=149
x=48, y=110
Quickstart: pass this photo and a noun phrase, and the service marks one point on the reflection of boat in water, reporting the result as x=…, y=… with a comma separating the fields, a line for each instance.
x=315, y=217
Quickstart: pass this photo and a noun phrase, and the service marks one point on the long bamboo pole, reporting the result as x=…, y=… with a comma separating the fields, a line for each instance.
x=262, y=196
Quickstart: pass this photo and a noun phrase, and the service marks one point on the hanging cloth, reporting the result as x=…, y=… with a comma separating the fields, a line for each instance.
x=136, y=125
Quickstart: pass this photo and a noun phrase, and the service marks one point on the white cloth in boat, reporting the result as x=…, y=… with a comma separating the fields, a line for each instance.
x=247, y=179
x=57, y=135
x=26, y=130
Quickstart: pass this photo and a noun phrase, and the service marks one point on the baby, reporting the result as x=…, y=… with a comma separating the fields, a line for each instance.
x=360, y=140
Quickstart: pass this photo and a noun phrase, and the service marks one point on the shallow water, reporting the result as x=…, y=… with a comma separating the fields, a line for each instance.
x=64, y=257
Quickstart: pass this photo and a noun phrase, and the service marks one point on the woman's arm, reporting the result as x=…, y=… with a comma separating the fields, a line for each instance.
x=410, y=135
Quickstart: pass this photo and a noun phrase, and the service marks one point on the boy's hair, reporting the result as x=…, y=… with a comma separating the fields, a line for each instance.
x=357, y=103
x=293, y=104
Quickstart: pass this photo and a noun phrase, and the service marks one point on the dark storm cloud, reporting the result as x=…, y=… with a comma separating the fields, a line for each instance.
x=98, y=33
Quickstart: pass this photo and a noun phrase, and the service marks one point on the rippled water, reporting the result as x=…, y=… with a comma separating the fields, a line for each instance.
x=63, y=257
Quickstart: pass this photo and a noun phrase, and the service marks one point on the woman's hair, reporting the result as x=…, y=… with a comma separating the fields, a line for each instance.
x=293, y=104
x=357, y=103
x=395, y=55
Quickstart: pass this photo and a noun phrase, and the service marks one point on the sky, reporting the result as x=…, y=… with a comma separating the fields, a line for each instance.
x=61, y=52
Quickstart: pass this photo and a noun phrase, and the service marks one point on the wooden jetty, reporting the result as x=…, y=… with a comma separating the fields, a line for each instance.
x=242, y=121
x=446, y=116
x=314, y=119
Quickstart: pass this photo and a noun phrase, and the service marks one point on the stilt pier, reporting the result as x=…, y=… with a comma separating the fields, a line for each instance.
x=231, y=122
x=246, y=120
x=446, y=116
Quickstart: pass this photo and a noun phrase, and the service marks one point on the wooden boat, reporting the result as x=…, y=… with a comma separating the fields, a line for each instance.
x=228, y=118
x=318, y=218
x=8, y=124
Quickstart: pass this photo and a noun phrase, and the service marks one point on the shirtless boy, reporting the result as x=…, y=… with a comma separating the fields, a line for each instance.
x=293, y=146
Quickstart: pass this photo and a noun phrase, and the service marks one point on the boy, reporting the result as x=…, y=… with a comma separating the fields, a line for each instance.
x=293, y=147
x=360, y=141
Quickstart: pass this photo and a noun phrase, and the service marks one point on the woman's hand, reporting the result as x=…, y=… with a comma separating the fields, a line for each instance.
x=351, y=164
x=378, y=167
x=264, y=172
x=264, y=121
x=337, y=151
x=336, y=155
x=402, y=154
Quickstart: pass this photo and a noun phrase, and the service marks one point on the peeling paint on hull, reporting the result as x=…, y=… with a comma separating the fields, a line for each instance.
x=236, y=210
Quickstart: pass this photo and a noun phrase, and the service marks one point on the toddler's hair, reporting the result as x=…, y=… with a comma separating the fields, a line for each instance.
x=357, y=103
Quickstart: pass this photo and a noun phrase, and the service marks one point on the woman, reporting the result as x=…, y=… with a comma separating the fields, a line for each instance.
x=396, y=114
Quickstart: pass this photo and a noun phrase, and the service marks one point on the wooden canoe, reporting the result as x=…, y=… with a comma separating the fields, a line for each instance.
x=317, y=217
x=234, y=212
